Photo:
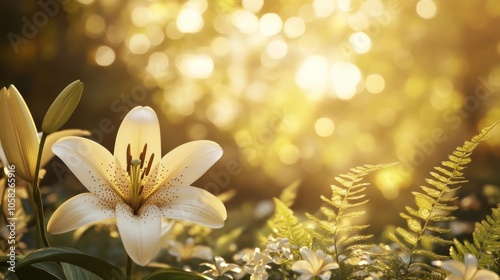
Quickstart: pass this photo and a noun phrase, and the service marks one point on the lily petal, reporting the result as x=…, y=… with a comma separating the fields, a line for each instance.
x=190, y=204
x=140, y=233
x=92, y=164
x=453, y=266
x=79, y=211
x=303, y=267
x=484, y=274
x=18, y=133
x=470, y=266
x=140, y=126
x=183, y=165
x=3, y=158
x=311, y=258
x=47, y=153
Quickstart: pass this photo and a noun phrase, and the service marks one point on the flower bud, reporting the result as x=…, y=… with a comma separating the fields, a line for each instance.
x=18, y=134
x=62, y=108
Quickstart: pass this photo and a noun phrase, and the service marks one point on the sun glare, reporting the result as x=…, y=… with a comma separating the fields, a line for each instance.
x=292, y=77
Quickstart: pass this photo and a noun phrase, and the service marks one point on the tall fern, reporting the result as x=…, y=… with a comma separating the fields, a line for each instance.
x=335, y=233
x=486, y=243
x=425, y=223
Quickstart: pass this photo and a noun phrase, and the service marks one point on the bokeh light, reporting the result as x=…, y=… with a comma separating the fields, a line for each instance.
x=324, y=127
x=105, y=56
x=302, y=90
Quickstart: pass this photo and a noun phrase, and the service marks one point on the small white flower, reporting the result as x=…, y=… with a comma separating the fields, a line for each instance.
x=466, y=270
x=256, y=264
x=279, y=248
x=189, y=250
x=313, y=264
x=221, y=268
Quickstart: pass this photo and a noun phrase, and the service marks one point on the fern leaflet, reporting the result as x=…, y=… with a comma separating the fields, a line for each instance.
x=285, y=224
x=434, y=206
x=486, y=243
x=335, y=233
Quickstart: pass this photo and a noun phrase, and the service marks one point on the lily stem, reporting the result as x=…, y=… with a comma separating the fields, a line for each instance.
x=37, y=195
x=129, y=268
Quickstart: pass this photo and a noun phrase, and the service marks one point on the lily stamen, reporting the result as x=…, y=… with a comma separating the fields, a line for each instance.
x=128, y=156
x=148, y=168
x=142, y=156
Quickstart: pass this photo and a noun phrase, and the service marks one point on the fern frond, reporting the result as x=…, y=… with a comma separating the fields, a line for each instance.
x=287, y=196
x=486, y=237
x=289, y=193
x=434, y=206
x=285, y=224
x=336, y=233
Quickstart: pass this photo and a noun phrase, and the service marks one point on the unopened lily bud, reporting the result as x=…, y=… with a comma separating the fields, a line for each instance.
x=62, y=108
x=18, y=135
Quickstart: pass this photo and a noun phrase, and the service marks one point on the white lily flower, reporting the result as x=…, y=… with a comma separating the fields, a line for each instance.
x=135, y=186
x=466, y=270
x=314, y=264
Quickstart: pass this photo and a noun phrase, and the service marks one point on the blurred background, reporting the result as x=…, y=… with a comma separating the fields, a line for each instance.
x=294, y=91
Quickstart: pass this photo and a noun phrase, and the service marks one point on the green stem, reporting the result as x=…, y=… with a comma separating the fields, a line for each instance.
x=4, y=216
x=129, y=268
x=37, y=195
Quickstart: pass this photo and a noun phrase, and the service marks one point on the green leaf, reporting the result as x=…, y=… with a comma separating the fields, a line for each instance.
x=436, y=240
x=51, y=268
x=413, y=224
x=409, y=237
x=71, y=256
x=75, y=272
x=398, y=241
x=175, y=274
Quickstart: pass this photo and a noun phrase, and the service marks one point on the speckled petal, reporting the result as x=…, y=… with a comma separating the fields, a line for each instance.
x=184, y=165
x=79, y=211
x=140, y=126
x=140, y=233
x=91, y=163
x=190, y=204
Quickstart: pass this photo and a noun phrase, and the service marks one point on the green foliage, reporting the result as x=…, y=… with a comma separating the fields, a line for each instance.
x=336, y=233
x=285, y=224
x=424, y=224
x=43, y=262
x=175, y=274
x=486, y=243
